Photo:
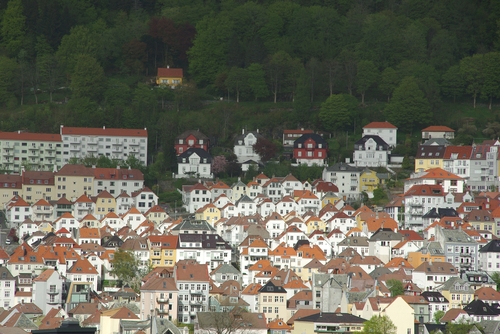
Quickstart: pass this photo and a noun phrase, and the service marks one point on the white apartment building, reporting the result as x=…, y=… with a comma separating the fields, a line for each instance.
x=112, y=143
x=384, y=130
x=40, y=151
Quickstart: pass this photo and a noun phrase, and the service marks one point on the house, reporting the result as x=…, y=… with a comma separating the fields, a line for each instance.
x=484, y=167
x=438, y=131
x=83, y=271
x=345, y=177
x=195, y=197
x=8, y=283
x=457, y=160
x=429, y=276
x=113, y=143
x=419, y=200
x=310, y=149
x=171, y=77
x=48, y=290
x=194, y=162
x=10, y=186
x=328, y=321
x=17, y=211
x=243, y=146
x=437, y=302
x=384, y=130
x=382, y=242
x=160, y=294
x=37, y=185
x=429, y=156
x=144, y=199
x=117, y=180
x=272, y=301
x=489, y=257
x=457, y=291
x=460, y=249
x=451, y=183
x=371, y=151
x=289, y=136
x=190, y=139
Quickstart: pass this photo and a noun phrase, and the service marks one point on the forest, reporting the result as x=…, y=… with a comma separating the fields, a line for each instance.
x=330, y=65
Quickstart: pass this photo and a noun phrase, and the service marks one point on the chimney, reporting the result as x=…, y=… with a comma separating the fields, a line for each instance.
x=242, y=131
x=104, y=127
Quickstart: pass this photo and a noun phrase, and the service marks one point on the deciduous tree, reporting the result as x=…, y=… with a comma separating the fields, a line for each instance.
x=265, y=148
x=128, y=269
x=13, y=27
x=236, y=81
x=337, y=112
x=366, y=76
x=256, y=79
x=87, y=79
x=395, y=286
x=472, y=69
x=379, y=325
x=453, y=84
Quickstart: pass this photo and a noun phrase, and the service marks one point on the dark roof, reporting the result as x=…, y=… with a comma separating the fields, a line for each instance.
x=328, y=317
x=380, y=142
x=342, y=167
x=480, y=308
x=197, y=134
x=271, y=288
x=193, y=225
x=440, y=213
x=207, y=241
x=434, y=297
x=386, y=234
x=379, y=271
x=243, y=136
x=314, y=136
x=430, y=152
x=493, y=247
x=198, y=151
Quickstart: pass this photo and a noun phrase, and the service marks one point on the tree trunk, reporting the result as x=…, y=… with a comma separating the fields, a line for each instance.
x=275, y=88
x=362, y=98
x=237, y=96
x=491, y=101
x=474, y=100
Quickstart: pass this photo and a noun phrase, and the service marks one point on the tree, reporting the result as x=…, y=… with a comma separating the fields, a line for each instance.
x=256, y=80
x=492, y=130
x=337, y=112
x=472, y=69
x=408, y=109
x=366, y=76
x=7, y=70
x=265, y=148
x=453, y=83
x=50, y=75
x=395, y=286
x=224, y=322
x=496, y=278
x=80, y=41
x=88, y=78
x=459, y=328
x=128, y=269
x=379, y=325
x=219, y=164
x=278, y=71
x=388, y=82
x=236, y=81
x=491, y=86
x=13, y=27
x=438, y=315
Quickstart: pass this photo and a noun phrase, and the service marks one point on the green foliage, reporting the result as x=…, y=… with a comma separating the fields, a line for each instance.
x=453, y=82
x=87, y=79
x=459, y=328
x=257, y=81
x=7, y=72
x=367, y=75
x=80, y=41
x=128, y=269
x=337, y=112
x=496, y=278
x=438, y=315
x=408, y=109
x=396, y=287
x=13, y=27
x=379, y=325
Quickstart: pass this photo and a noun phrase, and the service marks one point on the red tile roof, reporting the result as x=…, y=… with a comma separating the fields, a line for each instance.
x=438, y=128
x=170, y=72
x=66, y=130
x=19, y=135
x=379, y=125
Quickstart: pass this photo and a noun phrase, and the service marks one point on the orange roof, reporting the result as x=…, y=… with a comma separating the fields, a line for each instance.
x=19, y=135
x=463, y=152
x=252, y=289
x=44, y=276
x=398, y=262
x=87, y=232
x=82, y=266
x=259, y=265
x=379, y=125
x=278, y=324
x=41, y=202
x=170, y=72
x=374, y=224
x=437, y=128
x=439, y=173
x=104, y=132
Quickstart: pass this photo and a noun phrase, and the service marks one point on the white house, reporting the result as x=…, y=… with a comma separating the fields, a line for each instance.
x=384, y=130
x=195, y=162
x=371, y=151
x=243, y=146
x=345, y=177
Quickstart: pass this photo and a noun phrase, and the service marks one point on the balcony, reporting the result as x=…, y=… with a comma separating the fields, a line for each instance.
x=192, y=313
x=196, y=292
x=465, y=255
x=8, y=153
x=162, y=300
x=92, y=148
x=133, y=144
x=217, y=257
x=53, y=291
x=92, y=142
x=196, y=302
x=74, y=149
x=54, y=300
x=162, y=311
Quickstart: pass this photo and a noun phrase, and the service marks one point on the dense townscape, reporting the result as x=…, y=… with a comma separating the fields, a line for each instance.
x=93, y=247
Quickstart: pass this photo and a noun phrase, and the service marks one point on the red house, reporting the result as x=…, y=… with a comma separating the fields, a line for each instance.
x=189, y=139
x=310, y=149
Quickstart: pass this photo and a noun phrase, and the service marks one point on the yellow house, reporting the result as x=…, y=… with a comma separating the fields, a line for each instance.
x=38, y=185
x=110, y=319
x=369, y=180
x=482, y=220
x=104, y=204
x=315, y=224
x=10, y=186
x=209, y=212
x=169, y=77
x=429, y=156
x=417, y=258
x=328, y=322
x=163, y=250
x=156, y=214
x=329, y=198
x=458, y=292
x=272, y=301
x=401, y=314
x=71, y=181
